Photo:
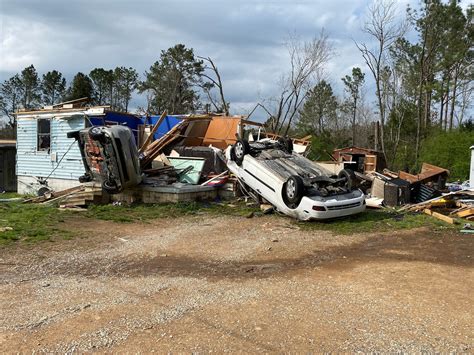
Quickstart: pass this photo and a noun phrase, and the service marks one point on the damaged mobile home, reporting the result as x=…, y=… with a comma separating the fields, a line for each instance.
x=47, y=159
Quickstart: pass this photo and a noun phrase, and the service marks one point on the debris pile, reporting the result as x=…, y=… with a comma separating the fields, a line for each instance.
x=188, y=156
x=427, y=192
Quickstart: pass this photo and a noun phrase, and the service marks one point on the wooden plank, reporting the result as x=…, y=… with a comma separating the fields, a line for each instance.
x=56, y=194
x=466, y=213
x=153, y=131
x=157, y=146
x=440, y=216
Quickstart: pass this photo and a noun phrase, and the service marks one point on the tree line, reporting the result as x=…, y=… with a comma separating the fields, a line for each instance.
x=175, y=82
x=421, y=64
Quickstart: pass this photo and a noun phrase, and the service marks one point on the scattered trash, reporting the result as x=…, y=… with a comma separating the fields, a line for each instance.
x=266, y=209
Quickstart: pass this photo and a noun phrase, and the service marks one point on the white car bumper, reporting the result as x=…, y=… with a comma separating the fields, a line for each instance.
x=313, y=207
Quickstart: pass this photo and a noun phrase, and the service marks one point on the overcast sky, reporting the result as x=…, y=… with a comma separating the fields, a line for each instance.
x=245, y=38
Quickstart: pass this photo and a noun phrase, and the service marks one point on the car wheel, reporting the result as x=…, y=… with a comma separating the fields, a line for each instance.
x=96, y=134
x=293, y=190
x=85, y=178
x=241, y=148
x=349, y=176
x=110, y=186
x=286, y=144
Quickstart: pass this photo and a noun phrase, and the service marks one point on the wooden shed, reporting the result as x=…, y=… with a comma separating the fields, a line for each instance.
x=7, y=165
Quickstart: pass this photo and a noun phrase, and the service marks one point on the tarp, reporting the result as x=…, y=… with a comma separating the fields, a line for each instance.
x=111, y=118
x=169, y=122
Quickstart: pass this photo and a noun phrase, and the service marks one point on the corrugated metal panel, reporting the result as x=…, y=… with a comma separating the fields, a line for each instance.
x=31, y=162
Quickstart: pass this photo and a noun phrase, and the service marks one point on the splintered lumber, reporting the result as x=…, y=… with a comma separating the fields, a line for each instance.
x=153, y=131
x=155, y=148
x=440, y=216
x=466, y=213
x=55, y=194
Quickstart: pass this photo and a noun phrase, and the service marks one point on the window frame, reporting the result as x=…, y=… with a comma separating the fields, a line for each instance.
x=42, y=134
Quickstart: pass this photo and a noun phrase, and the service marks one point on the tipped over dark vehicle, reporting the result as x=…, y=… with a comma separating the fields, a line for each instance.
x=110, y=156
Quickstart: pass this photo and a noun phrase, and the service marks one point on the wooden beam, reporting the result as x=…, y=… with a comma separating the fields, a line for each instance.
x=466, y=213
x=152, y=133
x=440, y=216
x=251, y=123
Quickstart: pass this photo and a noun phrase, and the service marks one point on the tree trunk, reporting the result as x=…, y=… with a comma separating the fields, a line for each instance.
x=354, y=121
x=441, y=105
x=420, y=94
x=427, y=120
x=446, y=106
x=453, y=98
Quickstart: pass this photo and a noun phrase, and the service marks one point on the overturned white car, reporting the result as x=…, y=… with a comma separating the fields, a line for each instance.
x=293, y=184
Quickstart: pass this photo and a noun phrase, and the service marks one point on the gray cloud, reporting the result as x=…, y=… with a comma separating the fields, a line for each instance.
x=244, y=38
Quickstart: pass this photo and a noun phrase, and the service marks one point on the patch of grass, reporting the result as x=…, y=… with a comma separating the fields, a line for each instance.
x=30, y=222
x=378, y=221
x=34, y=222
x=7, y=195
x=142, y=212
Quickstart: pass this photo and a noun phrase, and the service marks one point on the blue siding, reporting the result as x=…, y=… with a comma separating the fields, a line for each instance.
x=169, y=122
x=31, y=162
x=127, y=119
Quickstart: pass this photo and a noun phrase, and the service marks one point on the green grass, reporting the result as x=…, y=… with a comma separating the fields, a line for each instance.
x=7, y=195
x=379, y=221
x=30, y=222
x=140, y=212
x=34, y=222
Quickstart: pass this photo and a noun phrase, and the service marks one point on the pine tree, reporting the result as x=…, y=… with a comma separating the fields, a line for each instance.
x=171, y=81
x=30, y=83
x=319, y=110
x=11, y=92
x=103, y=82
x=125, y=83
x=81, y=86
x=53, y=87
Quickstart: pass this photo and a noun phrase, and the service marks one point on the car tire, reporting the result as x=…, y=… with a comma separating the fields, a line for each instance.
x=110, y=186
x=350, y=178
x=85, y=178
x=97, y=134
x=286, y=144
x=293, y=190
x=240, y=149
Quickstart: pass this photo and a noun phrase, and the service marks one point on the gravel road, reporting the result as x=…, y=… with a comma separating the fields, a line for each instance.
x=232, y=284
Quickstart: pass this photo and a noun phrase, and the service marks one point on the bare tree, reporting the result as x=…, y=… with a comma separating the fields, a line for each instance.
x=307, y=60
x=466, y=92
x=214, y=82
x=385, y=28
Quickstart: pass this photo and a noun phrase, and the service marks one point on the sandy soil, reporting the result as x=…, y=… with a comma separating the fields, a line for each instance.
x=232, y=284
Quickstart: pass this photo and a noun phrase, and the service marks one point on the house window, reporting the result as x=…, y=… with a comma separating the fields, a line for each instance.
x=44, y=134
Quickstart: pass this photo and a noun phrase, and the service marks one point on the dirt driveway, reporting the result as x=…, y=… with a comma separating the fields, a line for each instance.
x=230, y=284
